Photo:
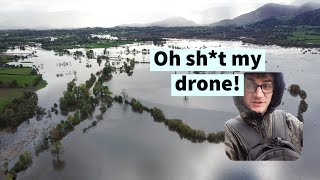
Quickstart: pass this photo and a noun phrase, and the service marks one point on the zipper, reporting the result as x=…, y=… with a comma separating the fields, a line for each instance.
x=263, y=130
x=260, y=124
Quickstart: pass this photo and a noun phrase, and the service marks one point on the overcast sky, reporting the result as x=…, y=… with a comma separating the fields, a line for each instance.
x=89, y=13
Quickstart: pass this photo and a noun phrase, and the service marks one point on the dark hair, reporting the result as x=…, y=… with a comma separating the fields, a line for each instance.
x=258, y=74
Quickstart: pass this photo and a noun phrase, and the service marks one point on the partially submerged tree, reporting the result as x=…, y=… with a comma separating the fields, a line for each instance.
x=5, y=166
x=124, y=95
x=56, y=149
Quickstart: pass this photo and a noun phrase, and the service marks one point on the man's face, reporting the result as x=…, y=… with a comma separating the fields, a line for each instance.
x=256, y=100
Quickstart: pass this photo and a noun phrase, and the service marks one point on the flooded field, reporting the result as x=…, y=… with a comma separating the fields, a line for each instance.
x=129, y=145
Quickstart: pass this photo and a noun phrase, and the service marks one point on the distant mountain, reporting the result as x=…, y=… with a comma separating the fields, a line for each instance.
x=174, y=21
x=271, y=22
x=310, y=6
x=311, y=18
x=268, y=11
x=217, y=13
x=225, y=22
x=169, y=22
x=214, y=14
x=300, y=2
x=133, y=25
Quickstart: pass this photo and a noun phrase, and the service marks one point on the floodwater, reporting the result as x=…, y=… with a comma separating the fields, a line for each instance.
x=128, y=145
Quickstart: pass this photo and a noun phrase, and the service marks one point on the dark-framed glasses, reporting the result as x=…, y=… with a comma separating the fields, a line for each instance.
x=252, y=87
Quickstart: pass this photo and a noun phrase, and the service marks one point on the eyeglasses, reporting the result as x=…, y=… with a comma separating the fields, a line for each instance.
x=252, y=87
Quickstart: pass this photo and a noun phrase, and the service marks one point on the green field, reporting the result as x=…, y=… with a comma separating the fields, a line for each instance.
x=5, y=58
x=21, y=79
x=22, y=76
x=100, y=44
x=7, y=95
x=106, y=44
x=18, y=71
x=305, y=36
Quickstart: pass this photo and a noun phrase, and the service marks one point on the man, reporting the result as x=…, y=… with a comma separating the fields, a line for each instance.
x=260, y=132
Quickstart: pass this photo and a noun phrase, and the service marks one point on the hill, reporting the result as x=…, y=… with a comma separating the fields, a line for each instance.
x=169, y=22
x=268, y=11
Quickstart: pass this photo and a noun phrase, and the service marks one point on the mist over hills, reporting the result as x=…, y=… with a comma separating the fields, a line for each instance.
x=310, y=18
x=169, y=22
x=224, y=15
x=301, y=2
x=268, y=11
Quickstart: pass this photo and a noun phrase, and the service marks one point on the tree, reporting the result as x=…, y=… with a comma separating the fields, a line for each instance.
x=303, y=94
x=90, y=54
x=159, y=116
x=25, y=160
x=43, y=142
x=5, y=166
x=104, y=91
x=294, y=89
x=124, y=95
x=13, y=84
x=56, y=149
x=103, y=108
x=71, y=85
x=55, y=134
x=64, y=105
x=33, y=71
x=9, y=176
x=99, y=60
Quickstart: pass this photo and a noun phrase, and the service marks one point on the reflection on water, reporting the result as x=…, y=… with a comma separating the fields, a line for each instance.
x=58, y=165
x=127, y=145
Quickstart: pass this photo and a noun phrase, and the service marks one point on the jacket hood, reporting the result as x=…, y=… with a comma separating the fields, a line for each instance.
x=278, y=91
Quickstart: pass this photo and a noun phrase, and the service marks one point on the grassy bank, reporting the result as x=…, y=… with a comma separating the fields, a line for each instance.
x=40, y=85
x=7, y=95
x=13, y=83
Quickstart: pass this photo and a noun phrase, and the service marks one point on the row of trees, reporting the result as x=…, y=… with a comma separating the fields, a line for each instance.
x=255, y=34
x=177, y=125
x=24, y=161
x=78, y=98
x=184, y=130
x=295, y=90
x=103, y=109
x=91, y=81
